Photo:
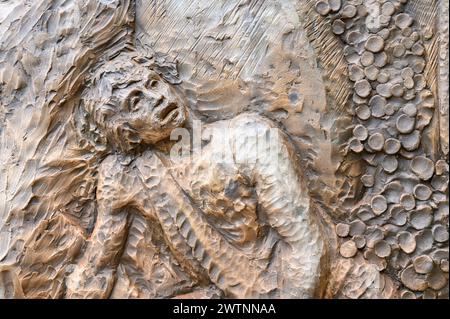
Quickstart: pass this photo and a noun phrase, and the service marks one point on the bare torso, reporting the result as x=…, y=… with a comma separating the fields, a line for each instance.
x=251, y=235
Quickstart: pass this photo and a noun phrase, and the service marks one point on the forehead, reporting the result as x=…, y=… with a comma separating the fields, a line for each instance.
x=124, y=72
x=120, y=77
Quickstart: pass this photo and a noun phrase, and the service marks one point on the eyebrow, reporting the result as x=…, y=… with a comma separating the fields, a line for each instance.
x=124, y=84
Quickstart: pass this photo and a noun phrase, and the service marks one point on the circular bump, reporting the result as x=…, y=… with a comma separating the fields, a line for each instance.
x=374, y=44
x=417, y=49
x=384, y=33
x=398, y=215
x=406, y=294
x=403, y=20
x=406, y=32
x=351, y=57
x=440, y=183
x=342, y=229
x=407, y=201
x=335, y=5
x=407, y=43
x=363, y=88
x=422, y=192
x=399, y=50
x=388, y=9
x=407, y=73
x=440, y=233
x=389, y=109
x=408, y=83
x=367, y=58
x=410, y=109
x=439, y=198
x=380, y=59
x=405, y=124
x=347, y=12
x=373, y=235
x=423, y=264
x=383, y=77
x=349, y=50
x=360, y=241
x=415, y=36
x=360, y=132
x=441, y=167
x=355, y=145
x=390, y=164
x=363, y=112
x=424, y=240
x=378, y=204
x=392, y=191
x=427, y=99
x=384, y=90
x=377, y=103
x=397, y=90
x=418, y=66
x=368, y=180
x=429, y=294
x=384, y=20
x=422, y=167
x=348, y=249
x=371, y=72
x=411, y=141
x=421, y=219
x=382, y=249
x=392, y=146
x=376, y=141
x=409, y=95
x=322, y=7
x=361, y=11
x=428, y=33
x=436, y=279
x=338, y=27
x=357, y=227
x=355, y=73
x=406, y=241
x=439, y=254
x=444, y=265
x=365, y=214
x=419, y=81
x=354, y=37
x=413, y=280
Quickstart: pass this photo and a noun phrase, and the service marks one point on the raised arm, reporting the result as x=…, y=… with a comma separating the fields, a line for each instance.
x=263, y=153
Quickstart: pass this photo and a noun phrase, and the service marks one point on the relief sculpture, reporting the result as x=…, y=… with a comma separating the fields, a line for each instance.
x=225, y=149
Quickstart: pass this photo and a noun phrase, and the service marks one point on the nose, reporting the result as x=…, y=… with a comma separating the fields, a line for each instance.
x=153, y=99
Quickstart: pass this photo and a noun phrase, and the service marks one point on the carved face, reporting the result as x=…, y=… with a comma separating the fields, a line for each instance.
x=131, y=105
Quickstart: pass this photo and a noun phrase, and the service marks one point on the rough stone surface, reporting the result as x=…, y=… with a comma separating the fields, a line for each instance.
x=136, y=156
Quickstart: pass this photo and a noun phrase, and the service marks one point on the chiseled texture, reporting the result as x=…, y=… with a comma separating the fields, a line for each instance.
x=355, y=204
x=211, y=223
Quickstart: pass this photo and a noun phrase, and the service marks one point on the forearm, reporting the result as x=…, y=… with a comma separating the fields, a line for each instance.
x=287, y=208
x=284, y=201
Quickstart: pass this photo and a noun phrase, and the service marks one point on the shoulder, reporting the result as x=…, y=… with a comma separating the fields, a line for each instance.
x=255, y=141
x=252, y=121
x=251, y=128
x=110, y=168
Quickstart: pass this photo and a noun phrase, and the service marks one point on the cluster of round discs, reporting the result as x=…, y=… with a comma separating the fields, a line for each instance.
x=402, y=223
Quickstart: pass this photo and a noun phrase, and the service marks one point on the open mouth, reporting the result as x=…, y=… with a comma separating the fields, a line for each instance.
x=168, y=113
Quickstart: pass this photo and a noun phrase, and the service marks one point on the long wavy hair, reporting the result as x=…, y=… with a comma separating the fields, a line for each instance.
x=68, y=179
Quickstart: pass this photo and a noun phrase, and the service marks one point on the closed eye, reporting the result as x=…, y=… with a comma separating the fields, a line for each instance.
x=152, y=83
x=133, y=99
